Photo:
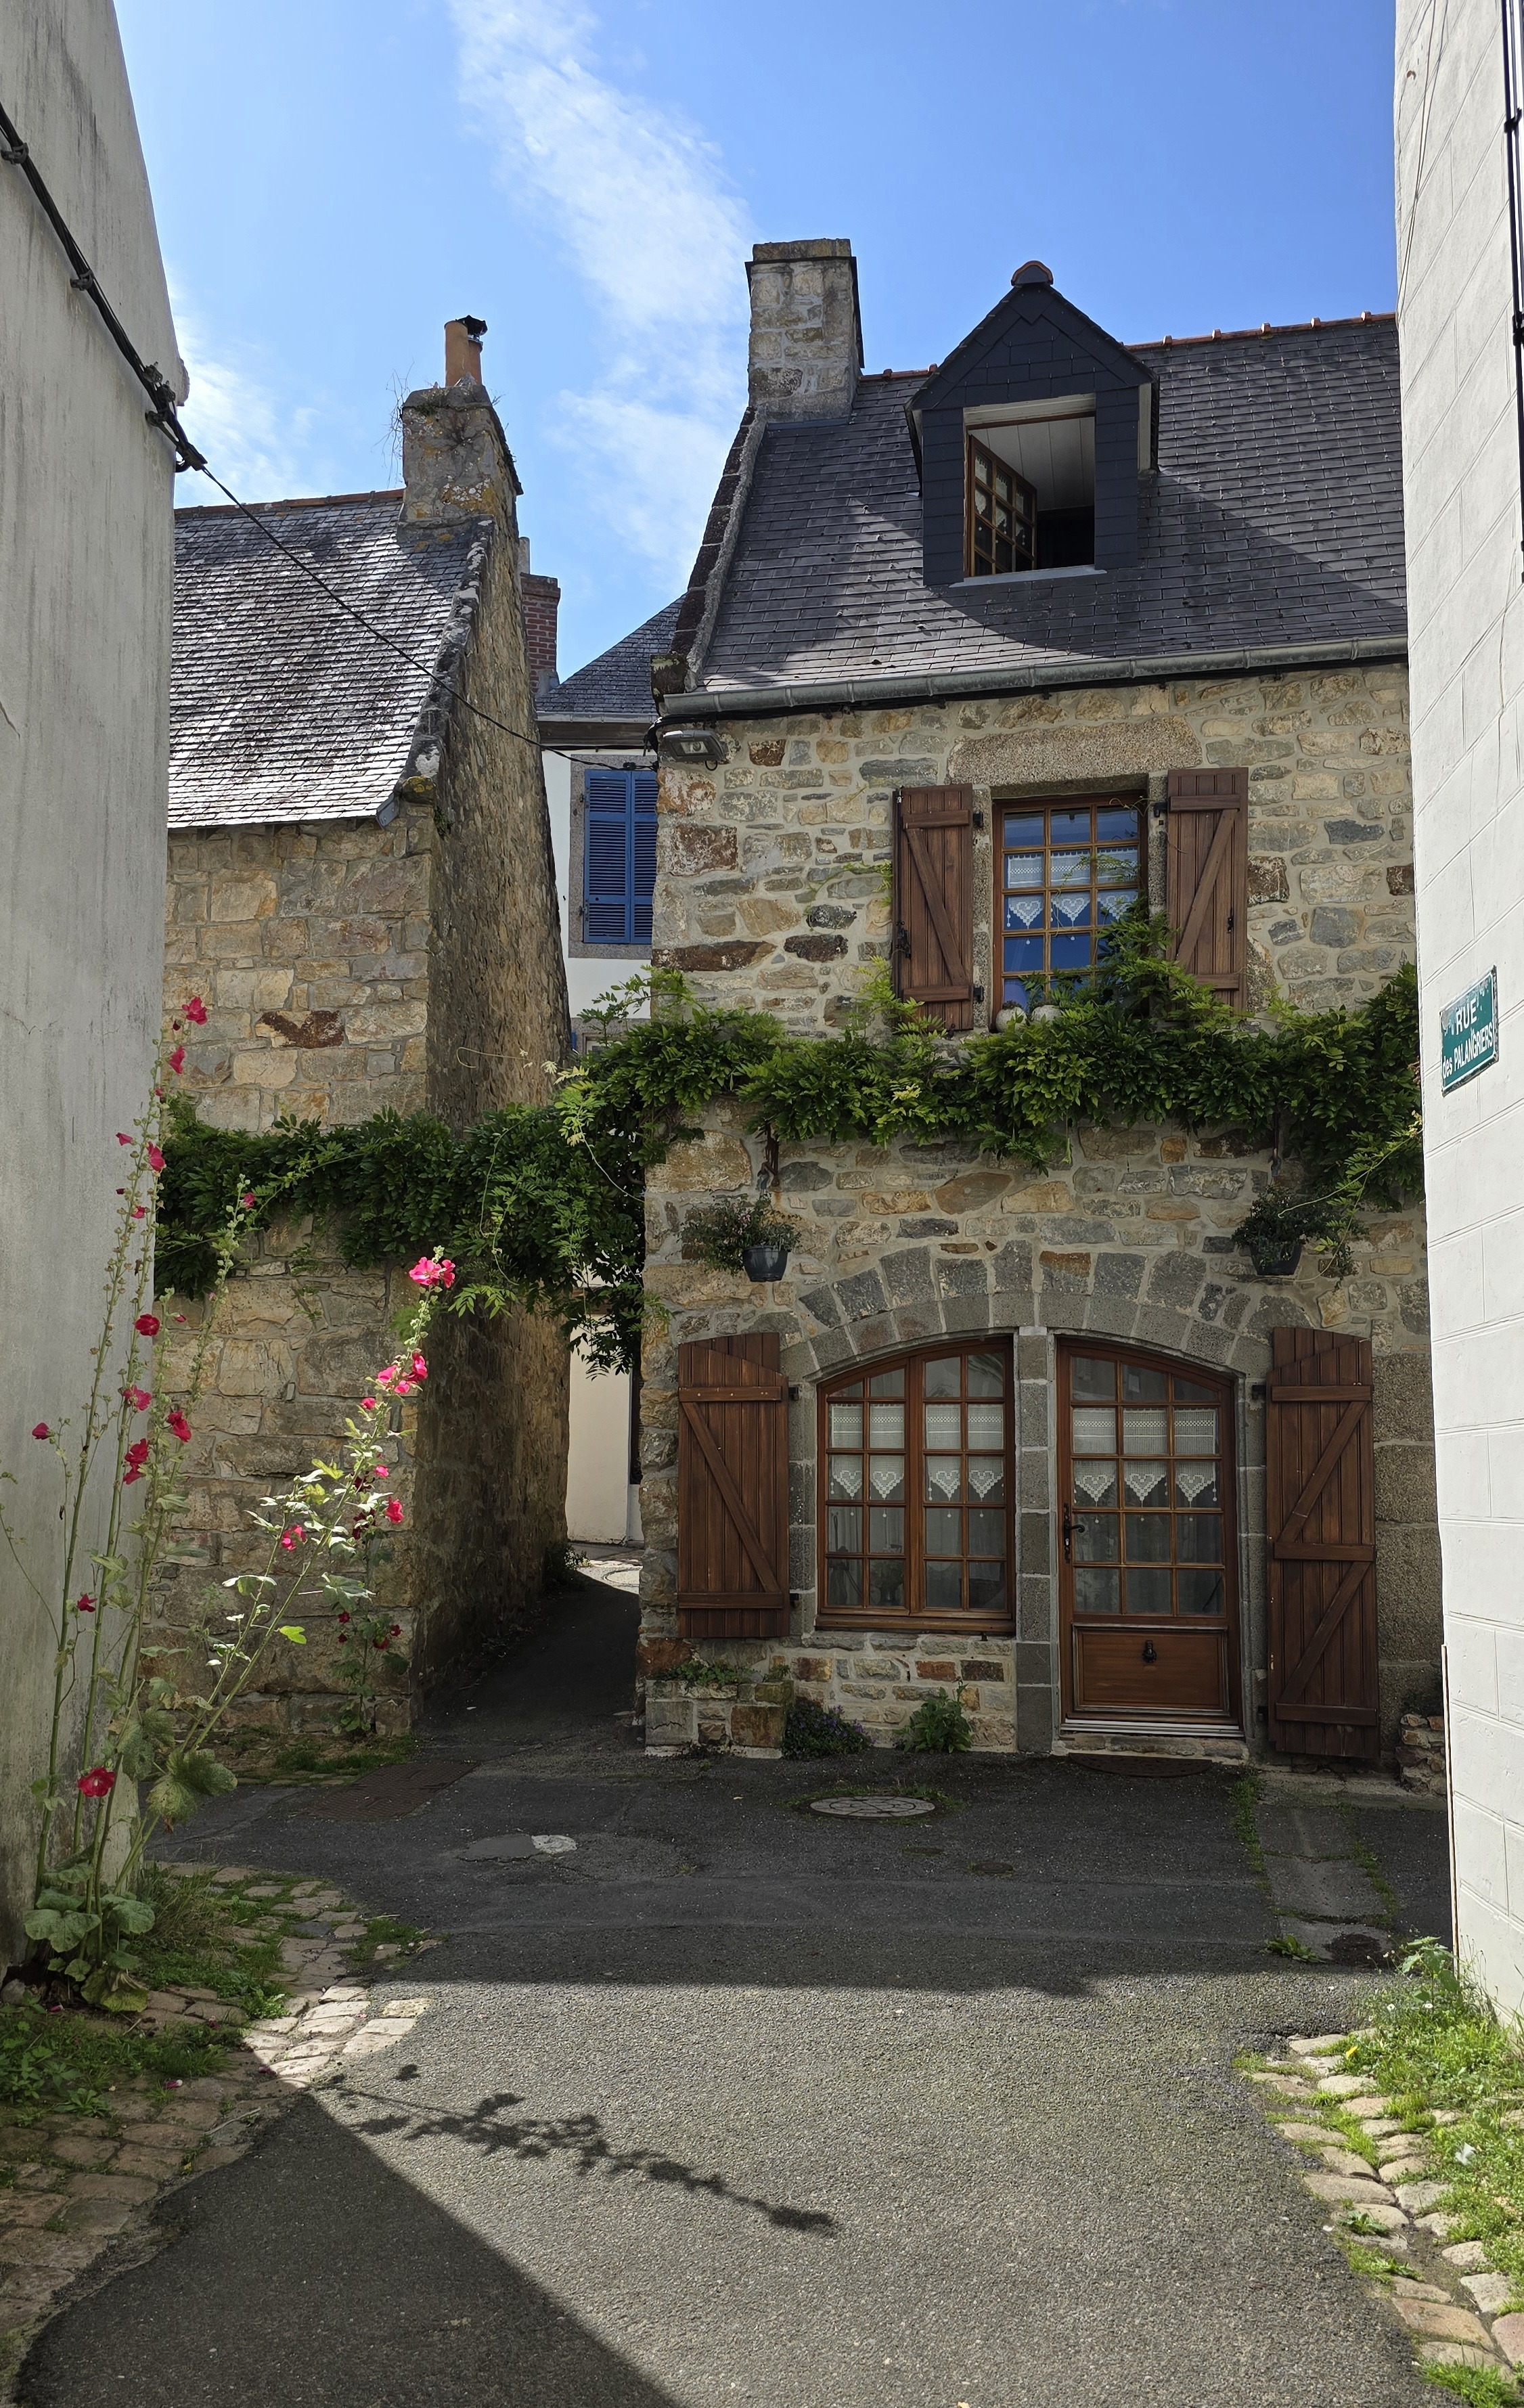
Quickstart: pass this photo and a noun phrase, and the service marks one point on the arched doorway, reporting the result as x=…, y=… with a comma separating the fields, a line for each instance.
x=1148, y=1554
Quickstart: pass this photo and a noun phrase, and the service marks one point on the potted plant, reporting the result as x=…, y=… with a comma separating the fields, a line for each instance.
x=741, y=1233
x=1275, y=1232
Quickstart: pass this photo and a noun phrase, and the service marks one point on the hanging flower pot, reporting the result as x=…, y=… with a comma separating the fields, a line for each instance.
x=1276, y=1257
x=765, y=1261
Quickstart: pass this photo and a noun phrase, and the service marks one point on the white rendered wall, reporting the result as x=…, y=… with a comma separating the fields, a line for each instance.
x=585, y=980
x=87, y=542
x=599, y=1492
x=1466, y=632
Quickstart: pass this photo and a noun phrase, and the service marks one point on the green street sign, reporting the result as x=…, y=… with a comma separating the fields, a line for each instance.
x=1468, y=1034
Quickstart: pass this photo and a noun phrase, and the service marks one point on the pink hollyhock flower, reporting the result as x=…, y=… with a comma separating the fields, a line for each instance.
x=293, y=1537
x=85, y=1604
x=393, y=1509
x=139, y=1398
x=128, y=1477
x=425, y=1272
x=147, y=1324
x=380, y=1472
x=179, y=1424
x=384, y=1379
x=404, y=1387
x=177, y=1060
x=367, y=1404
x=179, y=1316
x=40, y=1429
x=136, y=1457
x=122, y=1138
x=97, y=1782
x=420, y=1368
x=195, y=1011
x=155, y=1157
x=139, y=1211
x=247, y=1200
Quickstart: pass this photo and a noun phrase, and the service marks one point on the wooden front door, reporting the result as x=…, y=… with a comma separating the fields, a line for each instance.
x=1148, y=1566
x=1325, y=1692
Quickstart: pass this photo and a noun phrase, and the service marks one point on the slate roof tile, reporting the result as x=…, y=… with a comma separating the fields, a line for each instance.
x=616, y=685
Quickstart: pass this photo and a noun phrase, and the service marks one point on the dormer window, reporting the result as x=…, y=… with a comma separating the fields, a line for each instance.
x=1030, y=489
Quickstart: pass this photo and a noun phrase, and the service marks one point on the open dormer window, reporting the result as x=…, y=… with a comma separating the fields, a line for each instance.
x=1030, y=489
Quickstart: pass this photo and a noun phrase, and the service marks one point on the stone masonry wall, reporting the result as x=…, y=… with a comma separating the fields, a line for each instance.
x=771, y=894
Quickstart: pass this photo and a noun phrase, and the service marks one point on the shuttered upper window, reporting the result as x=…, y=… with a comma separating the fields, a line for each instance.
x=933, y=901
x=619, y=866
x=1208, y=896
x=1064, y=873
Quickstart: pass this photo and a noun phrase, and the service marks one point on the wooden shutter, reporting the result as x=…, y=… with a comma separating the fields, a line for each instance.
x=607, y=890
x=933, y=901
x=732, y=1490
x=1208, y=896
x=1323, y=1693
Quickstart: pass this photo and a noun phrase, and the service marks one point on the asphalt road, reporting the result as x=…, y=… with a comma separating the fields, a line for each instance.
x=737, y=2104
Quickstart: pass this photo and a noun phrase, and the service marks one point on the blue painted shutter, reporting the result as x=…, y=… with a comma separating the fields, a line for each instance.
x=620, y=869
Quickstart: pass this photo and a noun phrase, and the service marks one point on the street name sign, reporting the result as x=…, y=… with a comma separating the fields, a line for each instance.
x=1468, y=1034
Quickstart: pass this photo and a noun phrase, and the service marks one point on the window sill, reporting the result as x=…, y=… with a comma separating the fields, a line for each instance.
x=903, y=1626
x=1027, y=577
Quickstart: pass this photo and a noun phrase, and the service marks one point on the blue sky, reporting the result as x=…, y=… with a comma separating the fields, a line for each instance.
x=335, y=178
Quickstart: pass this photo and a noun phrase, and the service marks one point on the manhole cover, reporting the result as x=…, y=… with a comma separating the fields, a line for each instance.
x=873, y=1810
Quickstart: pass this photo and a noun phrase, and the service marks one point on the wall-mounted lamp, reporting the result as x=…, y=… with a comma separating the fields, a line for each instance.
x=693, y=744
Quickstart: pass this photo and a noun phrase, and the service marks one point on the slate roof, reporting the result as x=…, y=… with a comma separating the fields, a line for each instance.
x=616, y=685
x=281, y=708
x=1274, y=521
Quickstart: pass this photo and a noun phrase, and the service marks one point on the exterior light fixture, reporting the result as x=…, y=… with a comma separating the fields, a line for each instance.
x=692, y=744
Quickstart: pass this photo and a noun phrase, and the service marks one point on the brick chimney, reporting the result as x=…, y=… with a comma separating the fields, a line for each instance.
x=541, y=602
x=455, y=460
x=806, y=346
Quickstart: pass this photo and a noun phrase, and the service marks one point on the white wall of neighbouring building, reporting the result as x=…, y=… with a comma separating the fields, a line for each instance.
x=1465, y=517
x=87, y=540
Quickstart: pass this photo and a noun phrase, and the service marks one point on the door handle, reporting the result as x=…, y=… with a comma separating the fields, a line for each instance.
x=1150, y=1652
x=1068, y=1536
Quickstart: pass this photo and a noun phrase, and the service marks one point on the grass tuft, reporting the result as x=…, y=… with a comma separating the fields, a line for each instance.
x=1483, y=2386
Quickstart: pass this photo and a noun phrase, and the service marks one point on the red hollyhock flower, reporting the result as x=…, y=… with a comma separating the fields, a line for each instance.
x=393, y=1509
x=147, y=1324
x=40, y=1429
x=85, y=1604
x=155, y=1157
x=343, y=1617
x=396, y=1629
x=367, y=1404
x=139, y=1398
x=179, y=1424
x=343, y=1638
x=97, y=1782
x=247, y=1200
x=122, y=1138
x=195, y=1011
x=293, y=1537
x=177, y=1060
x=139, y=1212
x=128, y=1477
x=383, y=1644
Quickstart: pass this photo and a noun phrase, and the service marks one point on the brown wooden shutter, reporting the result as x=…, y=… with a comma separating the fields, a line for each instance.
x=1208, y=897
x=1323, y=1693
x=933, y=901
x=732, y=1489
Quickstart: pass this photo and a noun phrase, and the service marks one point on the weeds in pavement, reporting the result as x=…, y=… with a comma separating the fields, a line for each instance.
x=1287, y=1944
x=384, y=1931
x=939, y=1727
x=53, y=2063
x=1483, y=2386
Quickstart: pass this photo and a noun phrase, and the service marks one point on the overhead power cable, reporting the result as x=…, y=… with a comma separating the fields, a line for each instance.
x=165, y=415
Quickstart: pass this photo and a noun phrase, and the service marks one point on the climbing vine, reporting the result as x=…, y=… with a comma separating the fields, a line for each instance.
x=543, y=1205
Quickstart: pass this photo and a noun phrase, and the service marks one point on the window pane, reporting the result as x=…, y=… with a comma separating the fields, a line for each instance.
x=1201, y=1592
x=1091, y=1377
x=1024, y=869
x=1094, y=1430
x=885, y=1424
x=1190, y=1392
x=847, y=1425
x=944, y=1588
x=944, y=1377
x=1072, y=910
x=986, y=1478
x=944, y=1425
x=1024, y=911
x=886, y=1530
x=943, y=1478
x=1196, y=1484
x=1098, y=1592
x=1140, y=1386
x=1024, y=953
x=1024, y=828
x=847, y=1478
x=1095, y=1538
x=1148, y=1592
x=986, y=1424
x=1146, y=1484
x=987, y=1588
x=1068, y=828
x=1144, y=1432
x=1116, y=866
x=1194, y=1431
x=886, y=1478
x=1117, y=828
x=1014, y=991
x=943, y=1530
x=888, y=1384
x=1095, y=1484
x=886, y=1587
x=1113, y=904
x=1071, y=952
x=987, y=1534
x=843, y=1530
x=1148, y=1538
x=1069, y=870
x=1197, y=1538
x=986, y=1375
x=843, y=1584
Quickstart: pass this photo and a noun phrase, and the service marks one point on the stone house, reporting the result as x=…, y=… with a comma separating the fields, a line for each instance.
x=971, y=656
x=360, y=888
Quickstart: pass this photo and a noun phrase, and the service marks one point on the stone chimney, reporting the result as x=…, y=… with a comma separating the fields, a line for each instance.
x=541, y=602
x=455, y=460
x=807, y=345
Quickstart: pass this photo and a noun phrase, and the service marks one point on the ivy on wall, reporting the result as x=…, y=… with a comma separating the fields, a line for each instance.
x=543, y=1206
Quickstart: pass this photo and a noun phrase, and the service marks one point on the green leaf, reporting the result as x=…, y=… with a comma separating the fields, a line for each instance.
x=132, y=1914
x=293, y=1631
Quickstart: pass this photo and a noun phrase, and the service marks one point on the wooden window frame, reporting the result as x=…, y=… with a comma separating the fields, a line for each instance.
x=975, y=1623
x=1201, y=1375
x=974, y=449
x=1030, y=806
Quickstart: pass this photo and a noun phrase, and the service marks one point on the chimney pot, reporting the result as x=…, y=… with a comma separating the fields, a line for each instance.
x=806, y=348
x=463, y=349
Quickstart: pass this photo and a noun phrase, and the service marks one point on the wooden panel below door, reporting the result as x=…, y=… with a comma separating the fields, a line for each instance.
x=1188, y=1676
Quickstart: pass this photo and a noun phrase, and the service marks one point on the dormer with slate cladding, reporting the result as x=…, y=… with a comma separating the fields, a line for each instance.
x=1038, y=387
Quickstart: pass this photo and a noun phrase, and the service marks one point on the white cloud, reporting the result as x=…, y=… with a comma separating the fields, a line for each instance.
x=640, y=201
x=254, y=444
